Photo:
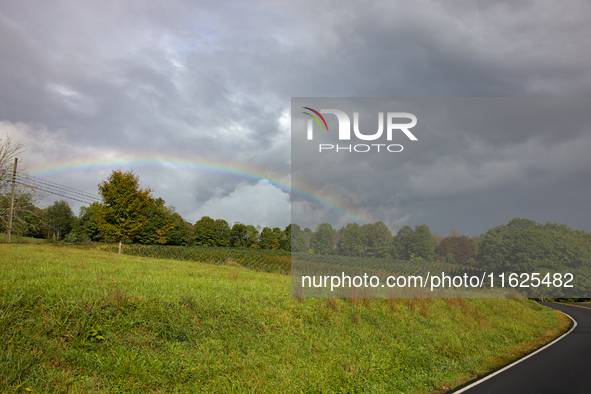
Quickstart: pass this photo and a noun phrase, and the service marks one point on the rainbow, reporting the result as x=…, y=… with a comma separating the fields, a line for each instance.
x=237, y=170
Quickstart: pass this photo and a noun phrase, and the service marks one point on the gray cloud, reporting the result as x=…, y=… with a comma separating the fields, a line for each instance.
x=473, y=155
x=214, y=81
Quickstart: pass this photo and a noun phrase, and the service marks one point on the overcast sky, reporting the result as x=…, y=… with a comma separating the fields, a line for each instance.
x=119, y=82
x=468, y=161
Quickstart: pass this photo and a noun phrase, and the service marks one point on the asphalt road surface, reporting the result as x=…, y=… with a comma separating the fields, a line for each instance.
x=564, y=367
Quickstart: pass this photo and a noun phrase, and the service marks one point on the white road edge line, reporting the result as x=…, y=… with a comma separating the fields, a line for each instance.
x=520, y=360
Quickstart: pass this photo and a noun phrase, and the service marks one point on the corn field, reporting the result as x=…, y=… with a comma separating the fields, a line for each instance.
x=277, y=261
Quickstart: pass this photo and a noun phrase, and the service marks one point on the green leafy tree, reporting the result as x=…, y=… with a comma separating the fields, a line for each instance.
x=60, y=219
x=351, y=242
x=308, y=236
x=86, y=227
x=34, y=222
x=523, y=245
x=415, y=244
x=298, y=242
x=238, y=235
x=270, y=238
x=474, y=242
x=205, y=231
x=569, y=248
x=402, y=242
x=378, y=240
x=514, y=246
x=158, y=225
x=122, y=214
x=253, y=236
x=423, y=244
x=190, y=233
x=222, y=232
x=322, y=242
x=285, y=239
x=178, y=233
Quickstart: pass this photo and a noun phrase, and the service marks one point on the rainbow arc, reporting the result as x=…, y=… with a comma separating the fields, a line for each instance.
x=240, y=171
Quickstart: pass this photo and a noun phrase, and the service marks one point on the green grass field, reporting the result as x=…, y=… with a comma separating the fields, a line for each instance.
x=19, y=239
x=84, y=321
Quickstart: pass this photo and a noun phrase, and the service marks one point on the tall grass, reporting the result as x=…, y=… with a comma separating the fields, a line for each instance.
x=20, y=239
x=89, y=321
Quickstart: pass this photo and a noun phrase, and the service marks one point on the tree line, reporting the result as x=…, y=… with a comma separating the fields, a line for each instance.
x=520, y=245
x=130, y=213
x=376, y=240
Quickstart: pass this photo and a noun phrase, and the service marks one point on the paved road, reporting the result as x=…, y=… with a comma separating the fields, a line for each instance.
x=564, y=367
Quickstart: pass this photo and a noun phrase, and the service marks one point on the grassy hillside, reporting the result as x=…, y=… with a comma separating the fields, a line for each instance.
x=19, y=239
x=89, y=321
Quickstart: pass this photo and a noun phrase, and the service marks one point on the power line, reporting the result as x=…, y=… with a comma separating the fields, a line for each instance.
x=59, y=194
x=55, y=193
x=93, y=195
x=59, y=187
x=37, y=184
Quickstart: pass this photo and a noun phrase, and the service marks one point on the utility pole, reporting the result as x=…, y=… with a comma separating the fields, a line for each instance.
x=12, y=198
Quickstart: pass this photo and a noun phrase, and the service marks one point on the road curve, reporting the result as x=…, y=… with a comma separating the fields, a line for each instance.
x=564, y=367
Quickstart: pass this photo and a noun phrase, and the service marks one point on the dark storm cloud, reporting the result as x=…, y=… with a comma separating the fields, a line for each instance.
x=214, y=79
x=510, y=157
